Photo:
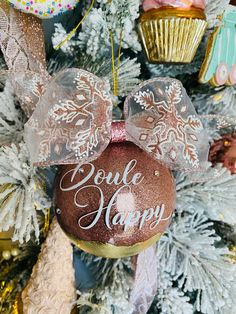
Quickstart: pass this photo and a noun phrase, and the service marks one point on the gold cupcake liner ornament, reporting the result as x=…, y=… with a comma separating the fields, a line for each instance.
x=172, y=34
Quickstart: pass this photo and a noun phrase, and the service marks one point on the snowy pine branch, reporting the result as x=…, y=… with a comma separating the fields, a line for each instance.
x=188, y=254
x=215, y=193
x=128, y=70
x=59, y=35
x=21, y=193
x=170, y=299
x=112, y=295
x=214, y=8
x=128, y=76
x=217, y=108
x=11, y=118
x=221, y=101
x=94, y=37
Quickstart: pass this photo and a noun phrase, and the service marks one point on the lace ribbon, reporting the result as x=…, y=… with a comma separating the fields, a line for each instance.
x=24, y=52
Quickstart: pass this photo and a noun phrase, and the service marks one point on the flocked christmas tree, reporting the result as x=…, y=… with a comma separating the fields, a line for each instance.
x=191, y=269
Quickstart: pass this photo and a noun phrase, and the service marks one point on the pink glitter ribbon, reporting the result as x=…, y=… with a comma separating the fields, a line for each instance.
x=118, y=132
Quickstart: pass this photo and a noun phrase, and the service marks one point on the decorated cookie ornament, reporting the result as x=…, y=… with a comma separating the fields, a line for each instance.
x=219, y=66
x=114, y=194
x=44, y=8
x=171, y=31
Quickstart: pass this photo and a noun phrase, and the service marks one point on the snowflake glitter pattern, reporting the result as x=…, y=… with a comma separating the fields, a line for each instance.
x=77, y=118
x=170, y=123
x=165, y=127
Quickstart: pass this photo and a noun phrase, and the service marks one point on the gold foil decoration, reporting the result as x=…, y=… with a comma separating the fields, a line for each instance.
x=5, y=240
x=17, y=307
x=6, y=291
x=217, y=97
x=46, y=222
x=172, y=35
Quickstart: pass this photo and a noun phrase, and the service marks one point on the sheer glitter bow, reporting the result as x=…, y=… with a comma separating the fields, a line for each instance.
x=72, y=122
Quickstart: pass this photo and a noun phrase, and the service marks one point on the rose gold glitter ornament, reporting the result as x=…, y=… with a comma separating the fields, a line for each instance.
x=224, y=151
x=115, y=206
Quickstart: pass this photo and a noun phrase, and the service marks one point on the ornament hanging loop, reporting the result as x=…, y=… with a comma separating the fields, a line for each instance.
x=71, y=34
x=115, y=68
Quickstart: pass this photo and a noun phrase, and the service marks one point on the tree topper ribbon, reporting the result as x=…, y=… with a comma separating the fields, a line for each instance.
x=72, y=122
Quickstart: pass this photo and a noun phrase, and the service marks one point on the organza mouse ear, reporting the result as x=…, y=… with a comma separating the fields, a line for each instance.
x=72, y=121
x=160, y=118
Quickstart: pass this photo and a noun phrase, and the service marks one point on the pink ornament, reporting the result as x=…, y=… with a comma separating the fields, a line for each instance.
x=109, y=207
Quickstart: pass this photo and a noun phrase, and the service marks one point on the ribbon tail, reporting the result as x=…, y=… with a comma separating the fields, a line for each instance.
x=145, y=281
x=24, y=53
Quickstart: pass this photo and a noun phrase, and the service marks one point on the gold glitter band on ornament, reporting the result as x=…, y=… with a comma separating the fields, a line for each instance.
x=112, y=251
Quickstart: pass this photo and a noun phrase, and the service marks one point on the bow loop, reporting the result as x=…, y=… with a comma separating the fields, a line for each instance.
x=72, y=121
x=161, y=119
